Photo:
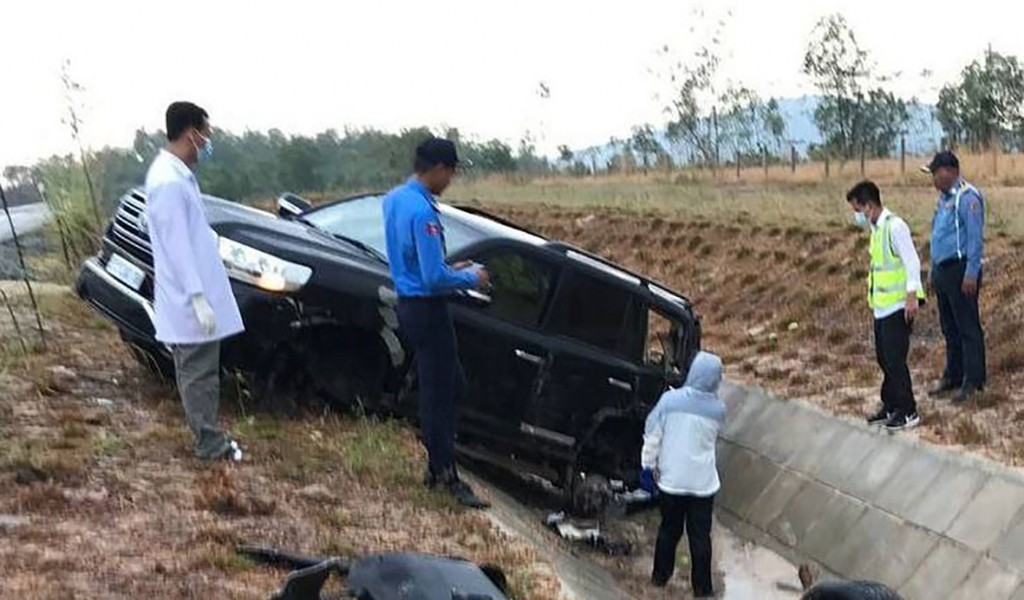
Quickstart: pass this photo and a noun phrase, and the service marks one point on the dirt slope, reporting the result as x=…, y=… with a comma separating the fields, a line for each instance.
x=787, y=309
x=96, y=457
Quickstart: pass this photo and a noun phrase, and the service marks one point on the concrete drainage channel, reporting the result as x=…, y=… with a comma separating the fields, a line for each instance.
x=805, y=486
x=748, y=571
x=865, y=504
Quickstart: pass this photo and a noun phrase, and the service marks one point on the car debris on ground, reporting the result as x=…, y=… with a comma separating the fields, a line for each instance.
x=394, y=576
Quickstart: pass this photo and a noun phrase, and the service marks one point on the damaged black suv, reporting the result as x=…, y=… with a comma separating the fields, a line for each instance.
x=564, y=356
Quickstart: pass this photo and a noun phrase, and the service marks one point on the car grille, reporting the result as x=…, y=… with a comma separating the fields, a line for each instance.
x=128, y=230
x=128, y=235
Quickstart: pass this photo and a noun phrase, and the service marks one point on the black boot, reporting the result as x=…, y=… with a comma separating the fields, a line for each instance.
x=430, y=479
x=462, y=493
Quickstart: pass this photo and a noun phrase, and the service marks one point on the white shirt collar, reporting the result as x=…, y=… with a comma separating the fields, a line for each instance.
x=881, y=217
x=177, y=164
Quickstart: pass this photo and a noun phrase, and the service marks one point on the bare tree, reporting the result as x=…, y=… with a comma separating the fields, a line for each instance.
x=72, y=93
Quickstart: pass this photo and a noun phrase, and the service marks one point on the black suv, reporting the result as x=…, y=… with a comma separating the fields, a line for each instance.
x=564, y=356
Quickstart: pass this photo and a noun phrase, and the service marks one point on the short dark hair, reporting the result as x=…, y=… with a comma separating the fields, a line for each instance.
x=865, y=192
x=435, y=151
x=183, y=115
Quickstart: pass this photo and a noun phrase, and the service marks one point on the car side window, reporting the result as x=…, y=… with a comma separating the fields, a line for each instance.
x=520, y=287
x=596, y=313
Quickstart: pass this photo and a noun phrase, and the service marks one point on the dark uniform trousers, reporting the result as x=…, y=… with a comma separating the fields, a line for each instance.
x=961, y=326
x=692, y=514
x=892, y=345
x=426, y=324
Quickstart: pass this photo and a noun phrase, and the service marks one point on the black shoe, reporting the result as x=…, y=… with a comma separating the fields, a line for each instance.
x=703, y=594
x=900, y=421
x=658, y=581
x=462, y=493
x=964, y=395
x=944, y=386
x=430, y=479
x=880, y=418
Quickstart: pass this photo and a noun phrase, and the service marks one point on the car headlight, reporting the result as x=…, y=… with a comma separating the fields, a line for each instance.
x=262, y=270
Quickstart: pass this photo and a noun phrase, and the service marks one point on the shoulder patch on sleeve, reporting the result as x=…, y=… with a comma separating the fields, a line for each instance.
x=975, y=205
x=433, y=229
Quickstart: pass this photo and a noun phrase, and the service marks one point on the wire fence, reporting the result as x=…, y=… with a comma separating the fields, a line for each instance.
x=15, y=248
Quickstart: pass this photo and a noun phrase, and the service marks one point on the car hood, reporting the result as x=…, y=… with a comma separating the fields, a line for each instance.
x=289, y=240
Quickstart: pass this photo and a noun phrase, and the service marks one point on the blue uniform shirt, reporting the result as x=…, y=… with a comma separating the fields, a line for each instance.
x=958, y=227
x=415, y=243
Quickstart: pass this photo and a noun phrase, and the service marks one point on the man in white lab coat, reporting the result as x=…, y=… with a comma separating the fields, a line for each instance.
x=195, y=308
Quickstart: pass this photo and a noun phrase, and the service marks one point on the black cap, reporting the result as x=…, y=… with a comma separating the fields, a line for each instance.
x=942, y=159
x=437, y=151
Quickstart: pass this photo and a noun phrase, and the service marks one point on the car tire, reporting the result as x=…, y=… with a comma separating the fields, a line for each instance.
x=590, y=495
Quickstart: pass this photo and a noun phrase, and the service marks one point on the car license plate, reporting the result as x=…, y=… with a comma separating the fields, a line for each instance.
x=125, y=271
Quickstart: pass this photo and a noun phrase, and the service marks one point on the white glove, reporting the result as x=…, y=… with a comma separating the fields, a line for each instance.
x=204, y=314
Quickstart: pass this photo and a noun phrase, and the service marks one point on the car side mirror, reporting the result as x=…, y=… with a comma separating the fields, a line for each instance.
x=291, y=205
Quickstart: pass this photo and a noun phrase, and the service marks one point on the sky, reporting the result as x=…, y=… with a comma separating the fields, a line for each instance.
x=304, y=66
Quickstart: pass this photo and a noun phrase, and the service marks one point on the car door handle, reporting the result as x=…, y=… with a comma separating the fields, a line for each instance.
x=533, y=359
x=622, y=385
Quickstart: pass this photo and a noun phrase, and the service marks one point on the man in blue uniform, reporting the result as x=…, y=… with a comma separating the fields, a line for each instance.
x=957, y=249
x=424, y=282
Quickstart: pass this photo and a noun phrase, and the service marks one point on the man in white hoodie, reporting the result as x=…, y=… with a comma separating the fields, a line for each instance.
x=679, y=457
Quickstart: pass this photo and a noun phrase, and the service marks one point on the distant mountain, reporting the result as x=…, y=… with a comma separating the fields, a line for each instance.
x=923, y=136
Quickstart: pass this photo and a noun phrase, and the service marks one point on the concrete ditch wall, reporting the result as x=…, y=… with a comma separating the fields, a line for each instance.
x=865, y=504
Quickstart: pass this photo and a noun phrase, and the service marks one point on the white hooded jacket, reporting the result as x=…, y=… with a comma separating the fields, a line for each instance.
x=680, y=433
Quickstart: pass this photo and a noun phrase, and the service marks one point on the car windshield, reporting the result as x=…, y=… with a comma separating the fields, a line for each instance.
x=362, y=219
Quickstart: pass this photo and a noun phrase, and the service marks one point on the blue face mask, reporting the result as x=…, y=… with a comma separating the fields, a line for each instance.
x=205, y=151
x=861, y=219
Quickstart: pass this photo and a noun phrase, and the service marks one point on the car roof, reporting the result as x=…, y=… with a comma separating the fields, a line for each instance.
x=493, y=227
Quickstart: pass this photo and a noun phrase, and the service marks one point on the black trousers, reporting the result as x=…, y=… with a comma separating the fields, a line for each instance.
x=693, y=514
x=961, y=326
x=892, y=345
x=426, y=323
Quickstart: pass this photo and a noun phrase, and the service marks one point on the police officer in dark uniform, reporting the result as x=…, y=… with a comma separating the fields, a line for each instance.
x=957, y=249
x=424, y=282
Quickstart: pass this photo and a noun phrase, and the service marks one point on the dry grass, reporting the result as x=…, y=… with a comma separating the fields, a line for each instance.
x=118, y=507
x=803, y=208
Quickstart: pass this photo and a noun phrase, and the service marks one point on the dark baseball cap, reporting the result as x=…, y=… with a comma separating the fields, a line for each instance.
x=438, y=151
x=942, y=159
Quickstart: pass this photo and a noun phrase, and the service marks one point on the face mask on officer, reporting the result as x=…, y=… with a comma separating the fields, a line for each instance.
x=862, y=219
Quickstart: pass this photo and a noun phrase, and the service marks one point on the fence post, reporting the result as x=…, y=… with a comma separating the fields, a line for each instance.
x=764, y=161
x=792, y=159
x=714, y=126
x=862, y=157
x=738, y=164
x=995, y=155
x=828, y=166
x=903, y=155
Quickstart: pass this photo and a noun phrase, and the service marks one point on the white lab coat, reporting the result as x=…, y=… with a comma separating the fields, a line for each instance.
x=185, y=257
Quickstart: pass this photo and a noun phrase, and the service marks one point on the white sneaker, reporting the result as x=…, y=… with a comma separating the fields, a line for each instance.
x=900, y=421
x=236, y=452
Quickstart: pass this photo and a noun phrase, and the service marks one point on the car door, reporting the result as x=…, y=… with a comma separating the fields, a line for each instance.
x=501, y=345
x=593, y=369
